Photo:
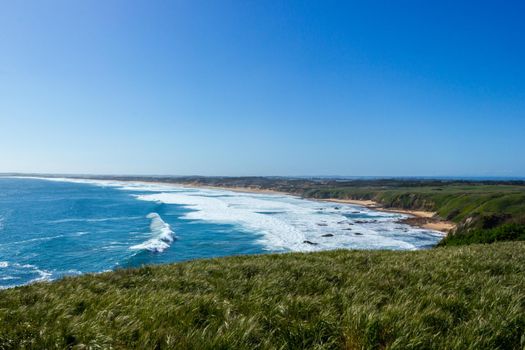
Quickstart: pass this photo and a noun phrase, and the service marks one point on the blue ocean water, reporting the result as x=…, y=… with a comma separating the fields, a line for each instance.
x=50, y=229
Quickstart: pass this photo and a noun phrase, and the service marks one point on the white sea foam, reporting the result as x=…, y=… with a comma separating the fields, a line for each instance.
x=4, y=264
x=9, y=278
x=122, y=185
x=162, y=235
x=37, y=274
x=40, y=239
x=117, y=218
x=282, y=222
x=290, y=223
x=43, y=276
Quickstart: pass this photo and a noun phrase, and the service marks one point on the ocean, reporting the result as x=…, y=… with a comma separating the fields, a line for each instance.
x=50, y=228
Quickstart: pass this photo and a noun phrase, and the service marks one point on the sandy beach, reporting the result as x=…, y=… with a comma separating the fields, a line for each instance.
x=443, y=226
x=419, y=218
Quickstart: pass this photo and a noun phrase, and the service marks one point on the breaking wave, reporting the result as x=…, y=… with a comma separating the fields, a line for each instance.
x=16, y=271
x=279, y=222
x=286, y=223
x=162, y=235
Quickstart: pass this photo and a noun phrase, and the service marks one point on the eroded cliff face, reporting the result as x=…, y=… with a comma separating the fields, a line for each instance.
x=485, y=222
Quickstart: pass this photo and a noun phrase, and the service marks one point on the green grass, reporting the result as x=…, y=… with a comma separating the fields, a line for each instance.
x=451, y=202
x=507, y=232
x=469, y=297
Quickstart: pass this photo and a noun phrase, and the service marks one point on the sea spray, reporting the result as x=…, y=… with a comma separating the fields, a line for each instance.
x=162, y=235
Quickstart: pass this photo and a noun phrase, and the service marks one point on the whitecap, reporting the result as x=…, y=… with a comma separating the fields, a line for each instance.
x=43, y=276
x=9, y=278
x=294, y=223
x=162, y=235
x=18, y=271
x=280, y=222
x=40, y=239
x=117, y=218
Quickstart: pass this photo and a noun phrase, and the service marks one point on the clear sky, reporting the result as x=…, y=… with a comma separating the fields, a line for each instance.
x=384, y=88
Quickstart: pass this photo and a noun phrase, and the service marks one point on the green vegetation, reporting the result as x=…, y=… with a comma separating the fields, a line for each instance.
x=477, y=209
x=507, y=232
x=469, y=297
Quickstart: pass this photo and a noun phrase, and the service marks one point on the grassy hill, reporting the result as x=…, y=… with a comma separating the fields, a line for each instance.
x=453, y=202
x=468, y=297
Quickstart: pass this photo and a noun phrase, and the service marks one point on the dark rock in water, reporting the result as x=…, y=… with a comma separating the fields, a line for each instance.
x=358, y=233
x=347, y=229
x=337, y=208
x=327, y=235
x=309, y=242
x=322, y=224
x=356, y=212
x=341, y=222
x=365, y=221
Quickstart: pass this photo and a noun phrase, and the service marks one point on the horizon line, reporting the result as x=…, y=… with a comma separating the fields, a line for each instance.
x=437, y=177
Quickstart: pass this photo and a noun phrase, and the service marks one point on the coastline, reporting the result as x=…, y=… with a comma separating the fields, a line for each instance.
x=418, y=218
x=233, y=189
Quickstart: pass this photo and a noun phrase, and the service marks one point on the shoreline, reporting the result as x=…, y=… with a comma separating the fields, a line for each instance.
x=419, y=218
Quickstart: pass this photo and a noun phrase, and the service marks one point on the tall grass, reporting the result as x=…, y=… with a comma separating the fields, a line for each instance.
x=507, y=232
x=469, y=297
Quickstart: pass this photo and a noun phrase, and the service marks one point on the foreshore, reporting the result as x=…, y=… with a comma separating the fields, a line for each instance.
x=418, y=218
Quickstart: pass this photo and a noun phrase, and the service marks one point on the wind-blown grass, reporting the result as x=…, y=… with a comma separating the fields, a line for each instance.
x=456, y=297
x=507, y=232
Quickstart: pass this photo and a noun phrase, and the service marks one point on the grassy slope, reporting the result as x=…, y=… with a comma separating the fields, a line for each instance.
x=452, y=202
x=465, y=297
x=506, y=232
x=483, y=213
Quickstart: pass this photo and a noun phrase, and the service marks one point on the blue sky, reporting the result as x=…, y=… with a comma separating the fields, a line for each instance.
x=384, y=88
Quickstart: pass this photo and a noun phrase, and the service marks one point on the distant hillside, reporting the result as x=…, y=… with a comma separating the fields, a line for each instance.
x=447, y=298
